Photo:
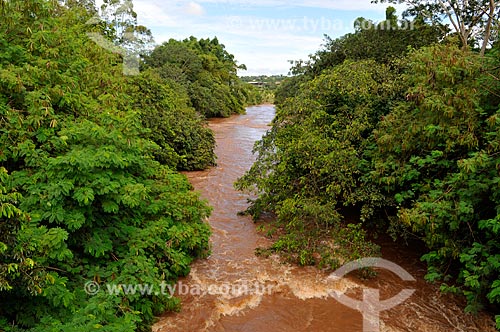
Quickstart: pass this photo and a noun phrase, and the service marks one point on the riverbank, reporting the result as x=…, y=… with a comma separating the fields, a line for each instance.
x=234, y=290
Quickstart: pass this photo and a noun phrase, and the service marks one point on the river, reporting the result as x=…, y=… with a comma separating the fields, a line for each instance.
x=234, y=290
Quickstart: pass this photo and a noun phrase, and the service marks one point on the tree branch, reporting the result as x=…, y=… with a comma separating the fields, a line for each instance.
x=487, y=32
x=453, y=22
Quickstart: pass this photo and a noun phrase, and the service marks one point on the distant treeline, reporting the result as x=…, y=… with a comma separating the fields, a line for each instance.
x=266, y=85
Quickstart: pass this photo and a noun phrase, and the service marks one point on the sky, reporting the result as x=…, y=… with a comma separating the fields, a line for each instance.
x=262, y=34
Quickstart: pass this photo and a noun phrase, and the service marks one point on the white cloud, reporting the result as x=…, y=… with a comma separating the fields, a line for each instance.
x=195, y=9
x=151, y=13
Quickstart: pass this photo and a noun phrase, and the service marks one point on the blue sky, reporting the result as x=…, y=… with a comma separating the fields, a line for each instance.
x=262, y=34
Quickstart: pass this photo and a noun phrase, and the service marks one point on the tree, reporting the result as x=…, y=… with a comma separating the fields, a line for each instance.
x=121, y=33
x=206, y=70
x=185, y=142
x=85, y=200
x=122, y=21
x=391, y=19
x=471, y=19
x=437, y=160
x=383, y=42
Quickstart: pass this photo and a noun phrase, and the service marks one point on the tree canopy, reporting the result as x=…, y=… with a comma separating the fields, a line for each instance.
x=474, y=21
x=206, y=71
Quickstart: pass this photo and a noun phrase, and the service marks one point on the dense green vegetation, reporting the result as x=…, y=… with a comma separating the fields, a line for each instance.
x=206, y=72
x=89, y=189
x=184, y=140
x=398, y=128
x=390, y=130
x=271, y=82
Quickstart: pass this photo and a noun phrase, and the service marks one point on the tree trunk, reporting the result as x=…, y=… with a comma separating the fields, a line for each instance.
x=487, y=32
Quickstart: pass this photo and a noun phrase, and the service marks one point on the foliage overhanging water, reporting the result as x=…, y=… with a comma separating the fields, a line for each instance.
x=233, y=290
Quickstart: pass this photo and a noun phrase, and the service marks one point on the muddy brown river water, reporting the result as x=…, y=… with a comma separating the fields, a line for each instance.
x=234, y=290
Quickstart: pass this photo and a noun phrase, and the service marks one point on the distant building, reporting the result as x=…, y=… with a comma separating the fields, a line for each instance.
x=255, y=83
